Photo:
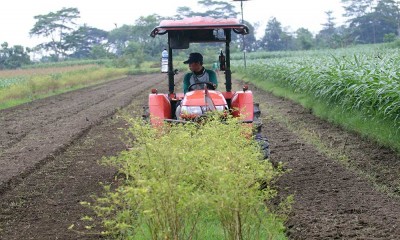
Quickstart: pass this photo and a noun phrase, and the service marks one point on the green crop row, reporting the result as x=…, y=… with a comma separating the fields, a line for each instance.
x=367, y=81
x=104, y=62
x=4, y=83
x=186, y=182
x=24, y=88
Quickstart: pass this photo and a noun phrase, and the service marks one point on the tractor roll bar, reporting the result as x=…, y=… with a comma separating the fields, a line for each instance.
x=195, y=30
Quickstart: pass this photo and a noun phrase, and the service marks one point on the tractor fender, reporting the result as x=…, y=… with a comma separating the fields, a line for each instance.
x=242, y=105
x=159, y=108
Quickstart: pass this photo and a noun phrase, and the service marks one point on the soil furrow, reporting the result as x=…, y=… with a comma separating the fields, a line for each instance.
x=18, y=124
x=342, y=184
x=47, y=201
x=334, y=199
x=50, y=136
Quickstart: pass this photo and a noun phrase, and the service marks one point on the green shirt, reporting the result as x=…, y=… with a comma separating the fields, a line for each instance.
x=206, y=76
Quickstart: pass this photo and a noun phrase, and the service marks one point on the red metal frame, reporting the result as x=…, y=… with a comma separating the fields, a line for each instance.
x=159, y=108
x=242, y=105
x=199, y=23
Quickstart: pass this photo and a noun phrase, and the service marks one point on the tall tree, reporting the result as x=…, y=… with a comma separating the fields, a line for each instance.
x=82, y=40
x=119, y=38
x=327, y=37
x=55, y=26
x=387, y=18
x=142, y=28
x=360, y=18
x=329, y=26
x=220, y=9
x=209, y=8
x=304, y=39
x=374, y=20
x=135, y=51
x=250, y=39
x=273, y=37
x=100, y=52
x=358, y=8
x=13, y=57
x=183, y=12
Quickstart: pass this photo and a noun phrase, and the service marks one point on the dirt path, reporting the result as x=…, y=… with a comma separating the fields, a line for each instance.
x=341, y=182
x=49, y=152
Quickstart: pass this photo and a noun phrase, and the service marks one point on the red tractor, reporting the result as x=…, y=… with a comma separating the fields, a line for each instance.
x=196, y=103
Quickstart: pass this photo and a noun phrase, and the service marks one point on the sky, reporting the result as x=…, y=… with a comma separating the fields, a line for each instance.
x=17, y=16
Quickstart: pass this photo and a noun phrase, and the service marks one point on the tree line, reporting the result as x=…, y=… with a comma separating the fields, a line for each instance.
x=368, y=21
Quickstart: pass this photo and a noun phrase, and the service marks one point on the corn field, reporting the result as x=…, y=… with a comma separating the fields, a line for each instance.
x=366, y=80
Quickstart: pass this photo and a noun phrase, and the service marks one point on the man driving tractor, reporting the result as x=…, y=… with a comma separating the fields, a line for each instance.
x=198, y=74
x=199, y=98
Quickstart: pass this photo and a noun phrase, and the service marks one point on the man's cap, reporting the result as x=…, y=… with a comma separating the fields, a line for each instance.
x=194, y=57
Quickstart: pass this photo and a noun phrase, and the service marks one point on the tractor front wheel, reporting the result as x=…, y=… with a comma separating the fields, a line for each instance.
x=146, y=114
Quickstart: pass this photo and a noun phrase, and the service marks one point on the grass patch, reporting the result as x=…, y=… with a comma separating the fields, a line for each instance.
x=43, y=80
x=48, y=83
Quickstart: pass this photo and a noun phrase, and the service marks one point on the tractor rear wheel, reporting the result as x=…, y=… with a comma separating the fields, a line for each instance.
x=257, y=118
x=264, y=145
x=262, y=140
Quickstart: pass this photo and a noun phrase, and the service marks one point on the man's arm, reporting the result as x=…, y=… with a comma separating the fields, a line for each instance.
x=213, y=77
x=186, y=82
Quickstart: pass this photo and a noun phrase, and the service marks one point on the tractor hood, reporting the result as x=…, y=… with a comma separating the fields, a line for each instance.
x=202, y=98
x=200, y=102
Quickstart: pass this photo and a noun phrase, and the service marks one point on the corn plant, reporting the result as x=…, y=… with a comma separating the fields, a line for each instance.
x=367, y=81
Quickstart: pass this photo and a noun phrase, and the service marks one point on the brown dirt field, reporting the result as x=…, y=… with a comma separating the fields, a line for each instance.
x=344, y=186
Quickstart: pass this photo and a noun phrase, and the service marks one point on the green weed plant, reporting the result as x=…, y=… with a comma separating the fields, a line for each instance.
x=191, y=182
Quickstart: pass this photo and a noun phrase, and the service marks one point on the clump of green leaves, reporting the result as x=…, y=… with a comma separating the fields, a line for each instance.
x=191, y=182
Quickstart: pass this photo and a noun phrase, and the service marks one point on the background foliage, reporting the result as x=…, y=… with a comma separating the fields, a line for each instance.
x=368, y=21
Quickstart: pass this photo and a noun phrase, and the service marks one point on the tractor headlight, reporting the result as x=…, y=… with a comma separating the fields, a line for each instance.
x=221, y=108
x=217, y=108
x=195, y=110
x=192, y=112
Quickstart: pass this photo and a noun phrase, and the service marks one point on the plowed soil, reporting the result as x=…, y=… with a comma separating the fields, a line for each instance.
x=344, y=186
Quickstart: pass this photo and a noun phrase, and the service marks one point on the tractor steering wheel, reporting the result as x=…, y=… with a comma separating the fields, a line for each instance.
x=210, y=85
